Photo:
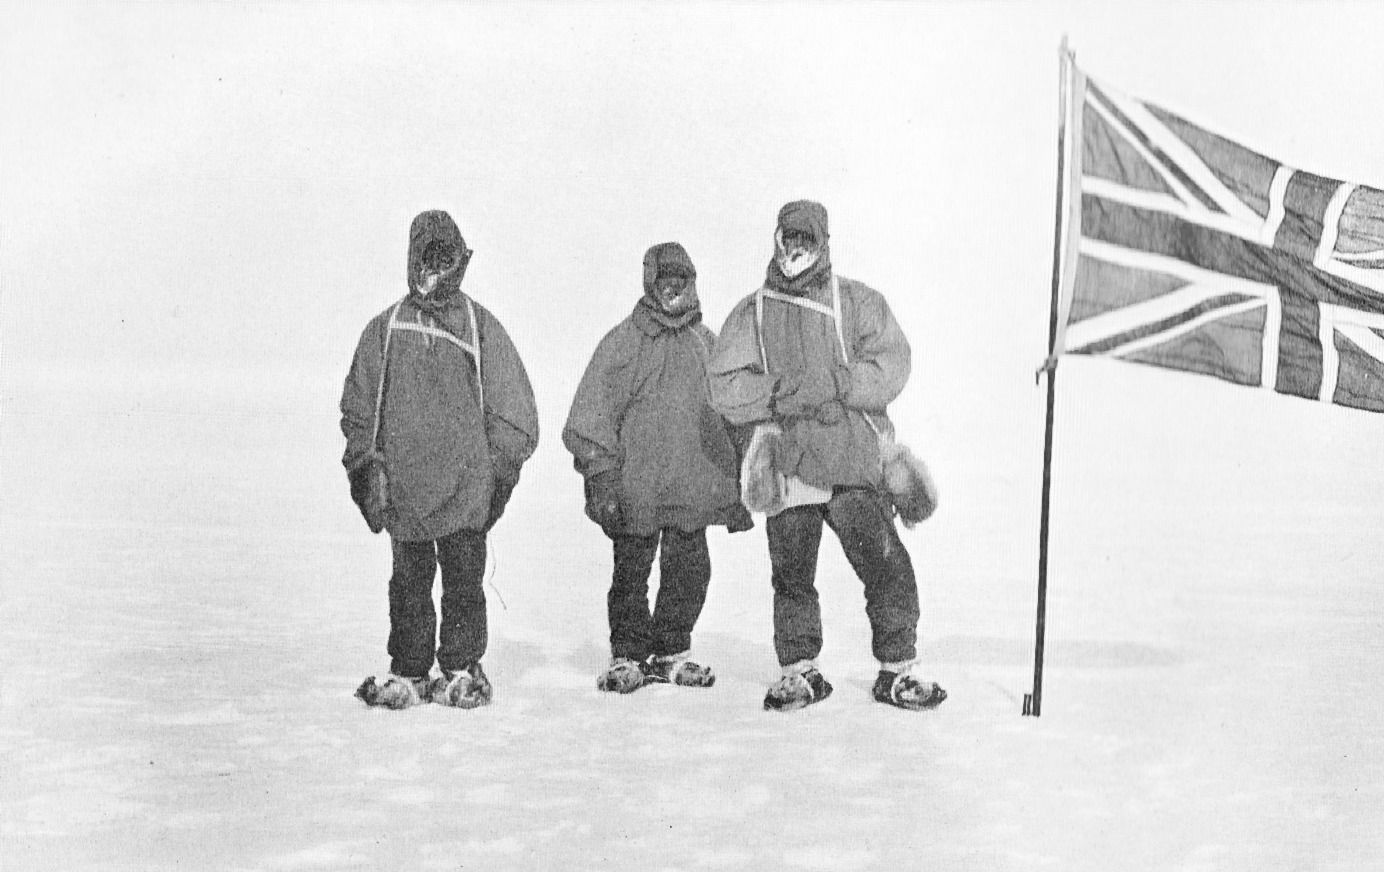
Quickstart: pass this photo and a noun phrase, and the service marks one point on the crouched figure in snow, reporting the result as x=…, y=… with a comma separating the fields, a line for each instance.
x=813, y=359
x=439, y=417
x=659, y=468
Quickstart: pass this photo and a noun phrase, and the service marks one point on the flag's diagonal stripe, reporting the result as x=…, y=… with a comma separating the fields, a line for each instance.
x=1145, y=199
x=1164, y=308
x=1175, y=178
x=1212, y=310
x=1375, y=256
x=1156, y=202
x=1214, y=306
x=1362, y=276
x=1231, y=254
x=1362, y=272
x=1202, y=284
x=1369, y=341
x=1345, y=315
x=1356, y=326
x=1362, y=337
x=1185, y=159
x=1121, y=255
x=1357, y=267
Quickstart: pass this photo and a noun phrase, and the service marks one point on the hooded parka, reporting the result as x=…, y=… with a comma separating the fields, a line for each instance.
x=800, y=334
x=642, y=409
x=450, y=434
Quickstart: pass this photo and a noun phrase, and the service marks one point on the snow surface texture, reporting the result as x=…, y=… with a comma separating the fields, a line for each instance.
x=190, y=600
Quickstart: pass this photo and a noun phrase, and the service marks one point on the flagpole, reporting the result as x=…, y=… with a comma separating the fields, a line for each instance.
x=1033, y=702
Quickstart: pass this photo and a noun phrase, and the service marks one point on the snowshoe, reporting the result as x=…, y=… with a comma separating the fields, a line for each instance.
x=623, y=675
x=905, y=691
x=465, y=688
x=394, y=692
x=796, y=690
x=677, y=669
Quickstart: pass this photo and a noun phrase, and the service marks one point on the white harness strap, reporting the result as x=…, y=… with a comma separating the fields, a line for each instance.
x=476, y=352
x=384, y=365
x=837, y=319
x=437, y=332
x=800, y=301
x=759, y=327
x=833, y=312
x=706, y=351
x=472, y=348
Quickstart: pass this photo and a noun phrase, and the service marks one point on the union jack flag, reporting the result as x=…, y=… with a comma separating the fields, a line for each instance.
x=1183, y=249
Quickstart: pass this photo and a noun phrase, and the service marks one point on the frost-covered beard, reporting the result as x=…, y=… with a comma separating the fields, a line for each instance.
x=796, y=255
x=675, y=295
x=429, y=280
x=438, y=265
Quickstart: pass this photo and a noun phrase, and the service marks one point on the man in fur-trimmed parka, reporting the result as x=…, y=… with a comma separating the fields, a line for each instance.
x=659, y=468
x=439, y=418
x=813, y=360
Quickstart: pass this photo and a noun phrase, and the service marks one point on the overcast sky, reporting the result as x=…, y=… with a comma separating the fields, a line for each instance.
x=211, y=190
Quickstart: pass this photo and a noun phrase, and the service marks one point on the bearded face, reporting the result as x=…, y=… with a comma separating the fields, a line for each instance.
x=440, y=260
x=675, y=292
x=797, y=252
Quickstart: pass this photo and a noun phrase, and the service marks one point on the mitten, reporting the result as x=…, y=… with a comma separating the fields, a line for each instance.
x=370, y=491
x=505, y=480
x=740, y=520
x=910, y=484
x=812, y=393
x=604, y=501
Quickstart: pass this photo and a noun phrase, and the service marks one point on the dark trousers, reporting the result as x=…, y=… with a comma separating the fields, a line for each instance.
x=413, y=627
x=684, y=568
x=863, y=521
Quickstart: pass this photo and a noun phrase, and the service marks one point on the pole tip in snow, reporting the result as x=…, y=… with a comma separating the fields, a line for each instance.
x=1029, y=709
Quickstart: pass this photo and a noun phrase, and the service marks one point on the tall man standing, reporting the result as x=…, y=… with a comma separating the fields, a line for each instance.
x=813, y=359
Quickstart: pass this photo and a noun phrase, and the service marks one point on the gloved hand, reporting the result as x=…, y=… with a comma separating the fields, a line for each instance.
x=604, y=503
x=370, y=491
x=499, y=496
x=812, y=393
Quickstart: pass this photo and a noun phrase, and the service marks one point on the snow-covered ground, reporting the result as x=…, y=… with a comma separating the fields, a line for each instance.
x=190, y=600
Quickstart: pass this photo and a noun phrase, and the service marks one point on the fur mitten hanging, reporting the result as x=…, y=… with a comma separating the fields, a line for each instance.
x=761, y=487
x=910, y=485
